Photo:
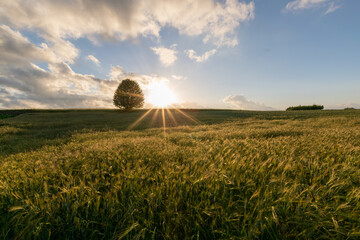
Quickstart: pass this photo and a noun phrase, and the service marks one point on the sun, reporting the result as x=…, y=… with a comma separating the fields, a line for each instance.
x=160, y=95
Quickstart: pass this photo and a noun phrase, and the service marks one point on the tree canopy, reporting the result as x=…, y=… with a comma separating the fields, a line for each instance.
x=313, y=107
x=128, y=95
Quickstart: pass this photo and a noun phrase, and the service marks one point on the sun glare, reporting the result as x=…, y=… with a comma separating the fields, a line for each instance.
x=160, y=95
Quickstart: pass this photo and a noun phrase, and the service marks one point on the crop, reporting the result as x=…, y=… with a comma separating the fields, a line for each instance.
x=234, y=175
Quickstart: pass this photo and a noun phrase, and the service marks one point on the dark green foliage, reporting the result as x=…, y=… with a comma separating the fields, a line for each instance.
x=12, y=113
x=3, y=116
x=313, y=107
x=128, y=95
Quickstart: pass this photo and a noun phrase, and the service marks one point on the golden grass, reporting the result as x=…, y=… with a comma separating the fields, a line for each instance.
x=277, y=177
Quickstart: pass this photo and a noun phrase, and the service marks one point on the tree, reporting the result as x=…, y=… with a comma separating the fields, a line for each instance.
x=313, y=107
x=128, y=95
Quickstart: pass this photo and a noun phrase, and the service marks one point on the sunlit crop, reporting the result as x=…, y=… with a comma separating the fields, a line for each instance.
x=234, y=175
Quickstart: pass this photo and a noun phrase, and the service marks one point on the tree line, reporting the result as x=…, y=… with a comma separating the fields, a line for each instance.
x=311, y=107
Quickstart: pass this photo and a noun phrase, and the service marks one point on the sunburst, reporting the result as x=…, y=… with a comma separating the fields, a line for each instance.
x=162, y=99
x=160, y=95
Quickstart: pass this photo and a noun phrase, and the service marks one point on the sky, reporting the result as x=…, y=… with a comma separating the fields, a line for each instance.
x=250, y=55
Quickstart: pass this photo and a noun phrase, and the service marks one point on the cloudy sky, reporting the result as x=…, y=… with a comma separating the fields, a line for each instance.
x=256, y=55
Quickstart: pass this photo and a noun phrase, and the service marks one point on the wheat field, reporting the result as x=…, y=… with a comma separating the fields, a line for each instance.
x=83, y=174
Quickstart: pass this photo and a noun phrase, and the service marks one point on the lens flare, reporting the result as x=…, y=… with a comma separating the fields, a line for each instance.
x=160, y=95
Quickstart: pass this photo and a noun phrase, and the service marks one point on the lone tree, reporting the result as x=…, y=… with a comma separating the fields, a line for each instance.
x=128, y=95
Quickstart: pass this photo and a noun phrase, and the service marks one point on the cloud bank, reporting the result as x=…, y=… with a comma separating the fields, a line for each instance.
x=29, y=85
x=121, y=20
x=25, y=82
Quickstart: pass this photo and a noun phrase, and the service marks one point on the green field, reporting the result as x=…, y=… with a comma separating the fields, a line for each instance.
x=213, y=174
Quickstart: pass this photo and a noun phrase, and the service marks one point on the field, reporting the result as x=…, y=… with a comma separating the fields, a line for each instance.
x=210, y=174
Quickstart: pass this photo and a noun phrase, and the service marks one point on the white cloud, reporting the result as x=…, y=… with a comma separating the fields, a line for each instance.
x=304, y=4
x=116, y=72
x=192, y=55
x=121, y=20
x=332, y=8
x=167, y=56
x=31, y=86
x=24, y=84
x=16, y=49
x=240, y=102
x=298, y=5
x=93, y=59
x=216, y=21
x=177, y=77
x=64, y=50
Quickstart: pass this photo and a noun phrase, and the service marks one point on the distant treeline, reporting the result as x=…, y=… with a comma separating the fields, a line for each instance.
x=313, y=107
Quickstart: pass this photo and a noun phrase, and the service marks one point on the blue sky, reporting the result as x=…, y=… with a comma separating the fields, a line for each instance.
x=260, y=54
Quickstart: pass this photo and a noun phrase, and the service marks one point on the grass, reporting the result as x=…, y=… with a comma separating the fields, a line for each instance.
x=229, y=175
x=3, y=116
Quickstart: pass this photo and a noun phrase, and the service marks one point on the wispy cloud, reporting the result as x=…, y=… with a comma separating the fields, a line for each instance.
x=192, y=55
x=304, y=4
x=332, y=8
x=298, y=5
x=177, y=77
x=93, y=59
x=167, y=56
x=240, y=102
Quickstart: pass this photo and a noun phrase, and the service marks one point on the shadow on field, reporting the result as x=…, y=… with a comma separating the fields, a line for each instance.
x=27, y=130
x=22, y=131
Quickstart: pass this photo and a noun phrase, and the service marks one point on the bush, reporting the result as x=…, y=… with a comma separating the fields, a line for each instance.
x=313, y=107
x=128, y=95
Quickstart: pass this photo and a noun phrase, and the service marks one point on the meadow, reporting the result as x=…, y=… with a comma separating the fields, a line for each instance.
x=209, y=174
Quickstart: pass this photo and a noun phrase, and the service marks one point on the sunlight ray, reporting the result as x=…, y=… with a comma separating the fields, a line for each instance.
x=154, y=117
x=164, y=120
x=139, y=120
x=188, y=116
x=171, y=116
